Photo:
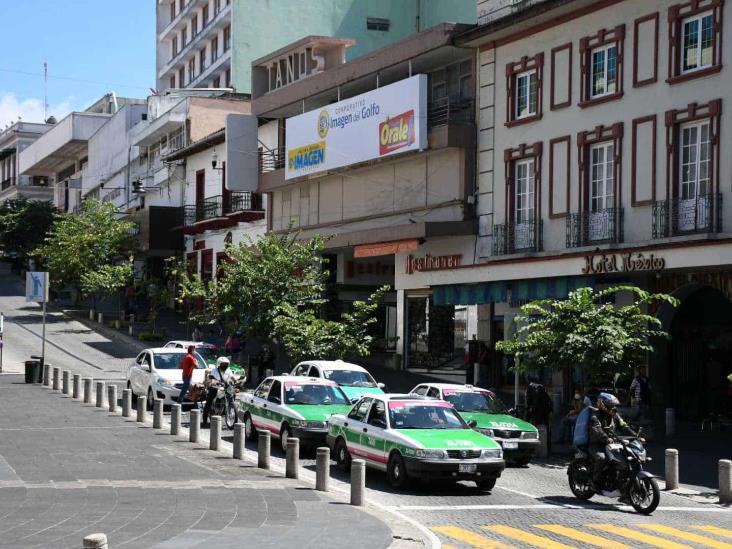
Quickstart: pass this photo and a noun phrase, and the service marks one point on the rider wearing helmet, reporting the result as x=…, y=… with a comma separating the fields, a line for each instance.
x=604, y=424
x=220, y=374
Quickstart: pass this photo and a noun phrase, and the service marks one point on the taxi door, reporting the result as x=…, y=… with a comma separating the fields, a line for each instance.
x=354, y=425
x=255, y=403
x=372, y=434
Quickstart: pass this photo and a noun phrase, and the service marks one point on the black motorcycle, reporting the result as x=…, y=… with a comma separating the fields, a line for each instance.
x=224, y=403
x=623, y=475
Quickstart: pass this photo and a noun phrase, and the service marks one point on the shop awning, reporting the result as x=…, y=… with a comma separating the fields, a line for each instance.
x=521, y=291
x=470, y=294
x=385, y=248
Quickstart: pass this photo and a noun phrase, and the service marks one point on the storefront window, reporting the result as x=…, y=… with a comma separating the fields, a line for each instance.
x=437, y=335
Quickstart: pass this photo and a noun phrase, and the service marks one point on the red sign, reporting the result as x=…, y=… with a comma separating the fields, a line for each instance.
x=396, y=132
x=432, y=262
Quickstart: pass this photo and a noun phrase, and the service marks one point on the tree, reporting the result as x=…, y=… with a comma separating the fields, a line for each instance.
x=23, y=226
x=107, y=280
x=587, y=331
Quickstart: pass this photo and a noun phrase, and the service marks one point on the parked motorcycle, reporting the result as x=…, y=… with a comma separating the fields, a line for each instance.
x=224, y=403
x=623, y=475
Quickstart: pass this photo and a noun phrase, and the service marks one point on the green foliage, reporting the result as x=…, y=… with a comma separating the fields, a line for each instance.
x=585, y=331
x=159, y=296
x=107, y=279
x=23, y=226
x=306, y=336
x=151, y=336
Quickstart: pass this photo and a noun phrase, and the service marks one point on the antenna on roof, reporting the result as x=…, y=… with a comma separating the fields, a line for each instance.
x=45, y=90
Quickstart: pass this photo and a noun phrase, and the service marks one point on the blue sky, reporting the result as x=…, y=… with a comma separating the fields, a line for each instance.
x=91, y=47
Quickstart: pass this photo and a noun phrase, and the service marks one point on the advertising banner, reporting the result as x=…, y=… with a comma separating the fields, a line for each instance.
x=379, y=123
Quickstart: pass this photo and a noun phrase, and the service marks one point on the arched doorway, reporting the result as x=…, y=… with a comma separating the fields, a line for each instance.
x=699, y=353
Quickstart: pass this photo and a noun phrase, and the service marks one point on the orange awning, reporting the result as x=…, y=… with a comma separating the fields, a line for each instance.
x=385, y=248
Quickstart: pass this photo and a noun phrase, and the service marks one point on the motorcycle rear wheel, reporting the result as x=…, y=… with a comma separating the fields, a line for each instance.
x=580, y=480
x=644, y=495
x=230, y=416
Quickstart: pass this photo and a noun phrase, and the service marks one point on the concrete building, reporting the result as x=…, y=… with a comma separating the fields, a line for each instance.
x=13, y=140
x=211, y=43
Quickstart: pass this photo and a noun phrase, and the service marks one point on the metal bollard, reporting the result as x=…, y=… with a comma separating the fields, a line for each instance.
x=195, y=427
x=100, y=394
x=238, y=441
x=88, y=390
x=141, y=405
x=358, y=481
x=264, y=443
x=672, y=469
x=725, y=481
x=112, y=397
x=96, y=541
x=175, y=419
x=47, y=375
x=322, y=469
x=65, y=386
x=670, y=421
x=126, y=402
x=157, y=413
x=56, y=372
x=292, y=458
x=214, y=439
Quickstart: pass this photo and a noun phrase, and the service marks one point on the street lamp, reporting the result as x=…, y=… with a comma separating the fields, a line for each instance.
x=215, y=161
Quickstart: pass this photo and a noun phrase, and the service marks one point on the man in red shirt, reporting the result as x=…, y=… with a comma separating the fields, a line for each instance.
x=187, y=364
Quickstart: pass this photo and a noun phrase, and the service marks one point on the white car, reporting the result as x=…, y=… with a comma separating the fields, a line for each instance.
x=355, y=380
x=156, y=373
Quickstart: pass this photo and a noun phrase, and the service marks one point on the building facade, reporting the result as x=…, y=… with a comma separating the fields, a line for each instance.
x=13, y=140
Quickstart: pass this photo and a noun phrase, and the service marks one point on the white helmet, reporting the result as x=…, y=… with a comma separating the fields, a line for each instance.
x=222, y=361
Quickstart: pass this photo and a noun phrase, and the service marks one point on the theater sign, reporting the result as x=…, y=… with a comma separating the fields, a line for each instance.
x=376, y=124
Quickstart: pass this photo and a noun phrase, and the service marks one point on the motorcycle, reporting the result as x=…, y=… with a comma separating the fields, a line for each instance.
x=623, y=473
x=224, y=403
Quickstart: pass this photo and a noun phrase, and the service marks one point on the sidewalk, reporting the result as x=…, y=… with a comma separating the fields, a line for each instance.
x=68, y=470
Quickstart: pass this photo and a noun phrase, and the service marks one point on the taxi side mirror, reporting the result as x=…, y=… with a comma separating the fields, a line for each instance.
x=382, y=386
x=472, y=424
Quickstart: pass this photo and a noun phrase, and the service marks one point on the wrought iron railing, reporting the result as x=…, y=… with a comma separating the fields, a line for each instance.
x=216, y=206
x=271, y=159
x=681, y=216
x=7, y=183
x=598, y=227
x=515, y=238
x=447, y=110
x=243, y=201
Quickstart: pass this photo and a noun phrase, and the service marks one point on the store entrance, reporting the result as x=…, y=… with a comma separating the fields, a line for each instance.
x=437, y=335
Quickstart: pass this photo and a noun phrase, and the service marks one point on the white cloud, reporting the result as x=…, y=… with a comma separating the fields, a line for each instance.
x=30, y=110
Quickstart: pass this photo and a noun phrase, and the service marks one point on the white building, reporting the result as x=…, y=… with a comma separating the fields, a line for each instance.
x=13, y=140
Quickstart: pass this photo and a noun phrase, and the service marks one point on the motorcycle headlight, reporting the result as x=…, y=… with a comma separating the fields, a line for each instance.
x=486, y=432
x=492, y=453
x=431, y=454
x=530, y=435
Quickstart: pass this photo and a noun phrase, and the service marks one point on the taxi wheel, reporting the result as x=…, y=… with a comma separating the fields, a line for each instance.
x=249, y=431
x=396, y=471
x=284, y=435
x=343, y=458
x=486, y=484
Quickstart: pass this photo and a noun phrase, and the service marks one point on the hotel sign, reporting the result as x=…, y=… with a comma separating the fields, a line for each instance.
x=432, y=263
x=600, y=263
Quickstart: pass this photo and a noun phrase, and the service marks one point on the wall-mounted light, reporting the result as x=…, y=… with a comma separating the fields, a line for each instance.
x=215, y=161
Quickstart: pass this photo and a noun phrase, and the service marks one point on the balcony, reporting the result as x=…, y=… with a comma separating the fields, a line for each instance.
x=598, y=227
x=221, y=211
x=679, y=216
x=447, y=110
x=514, y=238
x=271, y=159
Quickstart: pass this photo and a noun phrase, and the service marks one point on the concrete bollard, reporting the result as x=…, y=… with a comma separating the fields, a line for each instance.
x=264, y=443
x=292, y=458
x=672, y=469
x=132, y=321
x=195, y=427
x=126, y=402
x=47, y=374
x=116, y=324
x=175, y=419
x=112, y=397
x=725, y=481
x=358, y=481
x=88, y=390
x=214, y=440
x=91, y=314
x=100, y=394
x=96, y=541
x=141, y=405
x=238, y=441
x=56, y=384
x=543, y=450
x=100, y=318
x=670, y=421
x=322, y=469
x=76, y=387
x=65, y=385
x=157, y=413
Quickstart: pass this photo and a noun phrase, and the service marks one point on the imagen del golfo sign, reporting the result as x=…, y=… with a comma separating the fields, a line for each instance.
x=383, y=122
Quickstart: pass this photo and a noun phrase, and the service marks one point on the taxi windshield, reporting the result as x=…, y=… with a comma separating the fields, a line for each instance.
x=423, y=416
x=312, y=393
x=475, y=401
x=171, y=361
x=208, y=353
x=350, y=378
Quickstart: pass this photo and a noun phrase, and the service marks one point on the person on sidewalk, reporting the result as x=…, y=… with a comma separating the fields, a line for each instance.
x=640, y=395
x=197, y=334
x=566, y=424
x=232, y=346
x=188, y=363
x=218, y=375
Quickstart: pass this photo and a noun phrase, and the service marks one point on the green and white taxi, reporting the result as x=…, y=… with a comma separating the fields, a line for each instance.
x=355, y=380
x=292, y=406
x=409, y=437
x=518, y=438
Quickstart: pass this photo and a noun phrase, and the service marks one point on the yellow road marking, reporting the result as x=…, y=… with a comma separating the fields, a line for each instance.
x=526, y=537
x=639, y=536
x=589, y=539
x=716, y=530
x=447, y=546
x=468, y=537
x=688, y=536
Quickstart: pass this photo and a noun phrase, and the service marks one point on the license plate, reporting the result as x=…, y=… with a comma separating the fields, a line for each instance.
x=510, y=445
x=467, y=467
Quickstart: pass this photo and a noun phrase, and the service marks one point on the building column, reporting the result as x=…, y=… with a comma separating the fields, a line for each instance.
x=401, y=326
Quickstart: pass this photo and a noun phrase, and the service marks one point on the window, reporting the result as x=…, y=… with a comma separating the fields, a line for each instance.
x=227, y=37
x=421, y=390
x=275, y=392
x=263, y=389
x=194, y=25
x=217, y=7
x=695, y=39
x=524, y=90
x=377, y=24
x=601, y=58
x=433, y=392
x=524, y=189
x=602, y=169
x=172, y=11
x=183, y=37
x=202, y=59
x=604, y=77
x=174, y=47
x=227, y=78
x=314, y=372
x=191, y=69
x=377, y=415
x=181, y=77
x=525, y=94
x=359, y=411
x=204, y=14
x=694, y=160
x=217, y=82
x=172, y=81
x=214, y=49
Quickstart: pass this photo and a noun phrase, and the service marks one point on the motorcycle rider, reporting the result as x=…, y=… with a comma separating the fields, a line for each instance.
x=218, y=375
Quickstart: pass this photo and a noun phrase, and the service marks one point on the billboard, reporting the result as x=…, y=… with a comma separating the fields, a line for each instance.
x=379, y=123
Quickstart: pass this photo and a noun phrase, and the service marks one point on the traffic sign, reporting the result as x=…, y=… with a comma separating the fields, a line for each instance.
x=36, y=286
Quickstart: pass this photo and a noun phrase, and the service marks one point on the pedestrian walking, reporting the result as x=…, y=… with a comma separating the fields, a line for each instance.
x=566, y=424
x=188, y=363
x=197, y=334
x=211, y=339
x=640, y=395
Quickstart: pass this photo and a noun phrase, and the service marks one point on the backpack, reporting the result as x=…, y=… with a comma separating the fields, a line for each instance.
x=645, y=391
x=582, y=427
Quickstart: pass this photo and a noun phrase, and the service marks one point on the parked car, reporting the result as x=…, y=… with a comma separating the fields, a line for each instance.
x=292, y=406
x=209, y=353
x=156, y=373
x=355, y=380
x=410, y=436
x=518, y=438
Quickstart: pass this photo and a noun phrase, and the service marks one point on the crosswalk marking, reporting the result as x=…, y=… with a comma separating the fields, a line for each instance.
x=688, y=536
x=470, y=538
x=589, y=539
x=526, y=537
x=717, y=531
x=639, y=536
